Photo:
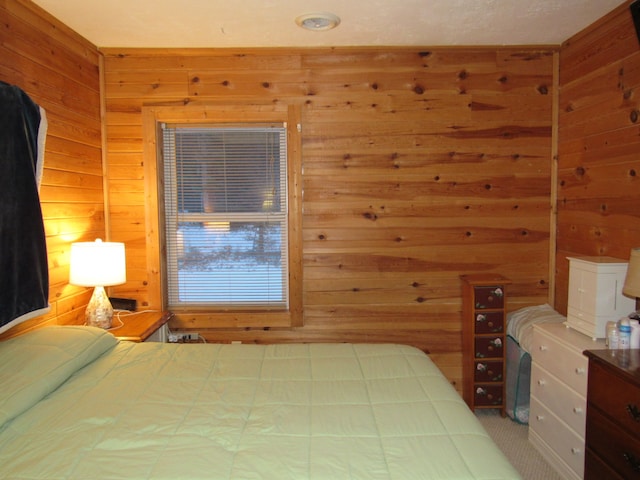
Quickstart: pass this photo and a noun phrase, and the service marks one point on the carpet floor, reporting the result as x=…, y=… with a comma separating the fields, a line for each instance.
x=512, y=439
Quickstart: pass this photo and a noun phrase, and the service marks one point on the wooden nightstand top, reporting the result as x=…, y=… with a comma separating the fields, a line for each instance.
x=137, y=326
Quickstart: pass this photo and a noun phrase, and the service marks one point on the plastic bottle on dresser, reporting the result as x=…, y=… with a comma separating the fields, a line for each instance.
x=625, y=334
x=635, y=334
x=613, y=336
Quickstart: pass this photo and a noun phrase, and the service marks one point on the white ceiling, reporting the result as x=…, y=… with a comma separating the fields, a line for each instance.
x=271, y=23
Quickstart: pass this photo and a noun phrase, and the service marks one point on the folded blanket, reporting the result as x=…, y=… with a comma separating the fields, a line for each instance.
x=520, y=323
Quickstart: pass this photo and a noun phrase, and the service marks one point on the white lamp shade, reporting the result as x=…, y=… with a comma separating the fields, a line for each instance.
x=632, y=281
x=97, y=264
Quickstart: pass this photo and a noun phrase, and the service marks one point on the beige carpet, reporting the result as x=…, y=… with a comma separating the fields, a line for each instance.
x=512, y=439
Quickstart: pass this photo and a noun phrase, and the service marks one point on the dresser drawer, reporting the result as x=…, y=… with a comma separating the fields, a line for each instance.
x=566, y=443
x=489, y=347
x=618, y=399
x=566, y=403
x=596, y=469
x=489, y=322
x=570, y=366
x=489, y=297
x=489, y=371
x=613, y=445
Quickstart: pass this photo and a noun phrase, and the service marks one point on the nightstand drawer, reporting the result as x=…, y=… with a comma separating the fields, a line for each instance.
x=489, y=297
x=617, y=398
x=596, y=469
x=570, y=366
x=489, y=347
x=489, y=322
x=570, y=407
x=613, y=445
x=489, y=371
x=488, y=395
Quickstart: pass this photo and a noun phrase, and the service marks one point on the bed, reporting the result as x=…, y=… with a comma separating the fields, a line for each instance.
x=518, y=356
x=78, y=404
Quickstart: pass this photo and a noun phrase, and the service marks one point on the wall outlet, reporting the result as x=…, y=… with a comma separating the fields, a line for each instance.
x=184, y=337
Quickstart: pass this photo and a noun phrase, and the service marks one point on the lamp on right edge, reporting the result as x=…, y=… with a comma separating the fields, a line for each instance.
x=632, y=281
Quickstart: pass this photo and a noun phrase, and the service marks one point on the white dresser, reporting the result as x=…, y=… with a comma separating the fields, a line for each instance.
x=558, y=396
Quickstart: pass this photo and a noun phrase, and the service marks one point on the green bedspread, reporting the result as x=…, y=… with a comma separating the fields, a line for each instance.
x=209, y=411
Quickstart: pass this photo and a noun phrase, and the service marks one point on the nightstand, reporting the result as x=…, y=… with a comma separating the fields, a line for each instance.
x=141, y=326
x=613, y=415
x=483, y=340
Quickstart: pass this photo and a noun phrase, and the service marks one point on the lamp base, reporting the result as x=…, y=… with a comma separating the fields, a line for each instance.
x=99, y=311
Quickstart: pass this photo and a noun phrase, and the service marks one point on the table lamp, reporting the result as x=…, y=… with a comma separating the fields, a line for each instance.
x=632, y=281
x=98, y=264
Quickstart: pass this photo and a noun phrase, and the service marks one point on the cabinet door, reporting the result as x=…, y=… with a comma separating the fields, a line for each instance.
x=575, y=288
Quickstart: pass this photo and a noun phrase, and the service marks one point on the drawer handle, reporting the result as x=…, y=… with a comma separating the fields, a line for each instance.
x=632, y=460
x=577, y=410
x=541, y=382
x=576, y=451
x=580, y=371
x=634, y=412
x=540, y=418
x=543, y=348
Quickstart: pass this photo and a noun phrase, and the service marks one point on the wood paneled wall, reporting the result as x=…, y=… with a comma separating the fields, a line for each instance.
x=599, y=144
x=59, y=70
x=418, y=166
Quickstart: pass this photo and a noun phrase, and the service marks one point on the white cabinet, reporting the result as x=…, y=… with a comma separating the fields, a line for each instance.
x=595, y=294
x=558, y=396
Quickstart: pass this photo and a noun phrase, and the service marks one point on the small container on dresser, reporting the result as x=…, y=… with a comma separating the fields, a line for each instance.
x=483, y=340
x=613, y=415
x=558, y=404
x=595, y=294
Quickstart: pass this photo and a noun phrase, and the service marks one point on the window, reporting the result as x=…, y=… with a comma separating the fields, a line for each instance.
x=225, y=215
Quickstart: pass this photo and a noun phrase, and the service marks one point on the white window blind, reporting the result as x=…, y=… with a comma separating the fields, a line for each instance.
x=226, y=215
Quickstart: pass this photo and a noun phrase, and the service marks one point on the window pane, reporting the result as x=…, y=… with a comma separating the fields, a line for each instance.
x=228, y=171
x=230, y=262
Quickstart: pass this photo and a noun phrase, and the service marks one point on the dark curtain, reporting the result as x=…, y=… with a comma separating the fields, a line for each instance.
x=24, y=274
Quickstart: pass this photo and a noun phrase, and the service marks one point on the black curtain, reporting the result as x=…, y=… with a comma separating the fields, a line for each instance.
x=24, y=274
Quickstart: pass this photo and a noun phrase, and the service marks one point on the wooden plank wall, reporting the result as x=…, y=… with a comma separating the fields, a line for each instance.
x=419, y=166
x=599, y=144
x=59, y=70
